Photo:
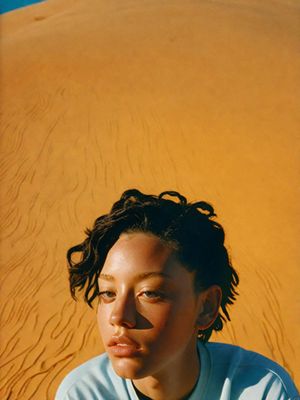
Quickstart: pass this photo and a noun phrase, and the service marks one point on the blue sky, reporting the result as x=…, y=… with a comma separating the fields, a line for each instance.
x=10, y=5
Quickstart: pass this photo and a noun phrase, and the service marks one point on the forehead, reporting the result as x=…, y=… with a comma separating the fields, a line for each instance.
x=136, y=253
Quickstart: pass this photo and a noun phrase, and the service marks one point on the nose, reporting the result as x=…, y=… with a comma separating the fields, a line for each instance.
x=124, y=312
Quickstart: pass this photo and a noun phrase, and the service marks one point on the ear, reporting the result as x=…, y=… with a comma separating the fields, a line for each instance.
x=209, y=304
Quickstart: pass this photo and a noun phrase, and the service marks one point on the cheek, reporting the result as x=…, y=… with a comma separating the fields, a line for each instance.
x=103, y=317
x=163, y=319
x=159, y=316
x=174, y=320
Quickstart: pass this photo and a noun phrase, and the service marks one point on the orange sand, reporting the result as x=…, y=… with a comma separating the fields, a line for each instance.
x=100, y=96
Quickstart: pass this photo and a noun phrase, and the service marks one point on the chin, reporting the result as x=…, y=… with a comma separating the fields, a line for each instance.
x=129, y=368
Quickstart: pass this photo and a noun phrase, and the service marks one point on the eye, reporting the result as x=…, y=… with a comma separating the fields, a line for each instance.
x=152, y=295
x=107, y=295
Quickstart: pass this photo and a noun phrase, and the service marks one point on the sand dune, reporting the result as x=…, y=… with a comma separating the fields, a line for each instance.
x=200, y=97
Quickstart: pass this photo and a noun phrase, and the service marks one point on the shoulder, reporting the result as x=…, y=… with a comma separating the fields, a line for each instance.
x=94, y=379
x=227, y=354
x=248, y=373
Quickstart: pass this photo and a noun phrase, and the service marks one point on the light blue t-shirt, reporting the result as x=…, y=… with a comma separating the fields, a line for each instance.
x=227, y=373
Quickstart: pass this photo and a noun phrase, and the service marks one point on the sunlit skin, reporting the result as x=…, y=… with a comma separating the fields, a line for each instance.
x=149, y=315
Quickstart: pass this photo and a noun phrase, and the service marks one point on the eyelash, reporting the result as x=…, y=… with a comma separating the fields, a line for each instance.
x=105, y=293
x=157, y=294
x=150, y=294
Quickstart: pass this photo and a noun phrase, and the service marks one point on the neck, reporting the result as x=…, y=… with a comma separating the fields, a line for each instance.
x=176, y=382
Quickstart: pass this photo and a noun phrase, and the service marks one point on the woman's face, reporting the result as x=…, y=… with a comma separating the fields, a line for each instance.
x=148, y=309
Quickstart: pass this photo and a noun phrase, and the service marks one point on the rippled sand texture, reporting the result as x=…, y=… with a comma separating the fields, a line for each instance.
x=101, y=96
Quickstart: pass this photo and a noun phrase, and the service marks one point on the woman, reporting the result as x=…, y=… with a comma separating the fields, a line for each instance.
x=163, y=281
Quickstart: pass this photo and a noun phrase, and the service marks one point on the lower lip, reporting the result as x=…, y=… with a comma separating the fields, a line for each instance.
x=124, y=351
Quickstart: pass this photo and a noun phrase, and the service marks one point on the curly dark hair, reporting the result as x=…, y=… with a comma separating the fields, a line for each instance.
x=198, y=239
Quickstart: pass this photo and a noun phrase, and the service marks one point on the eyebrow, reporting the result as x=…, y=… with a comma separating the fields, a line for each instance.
x=140, y=277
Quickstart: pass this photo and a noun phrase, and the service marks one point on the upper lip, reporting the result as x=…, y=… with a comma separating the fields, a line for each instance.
x=123, y=340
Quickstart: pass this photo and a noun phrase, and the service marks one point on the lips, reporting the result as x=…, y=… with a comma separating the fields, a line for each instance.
x=123, y=346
